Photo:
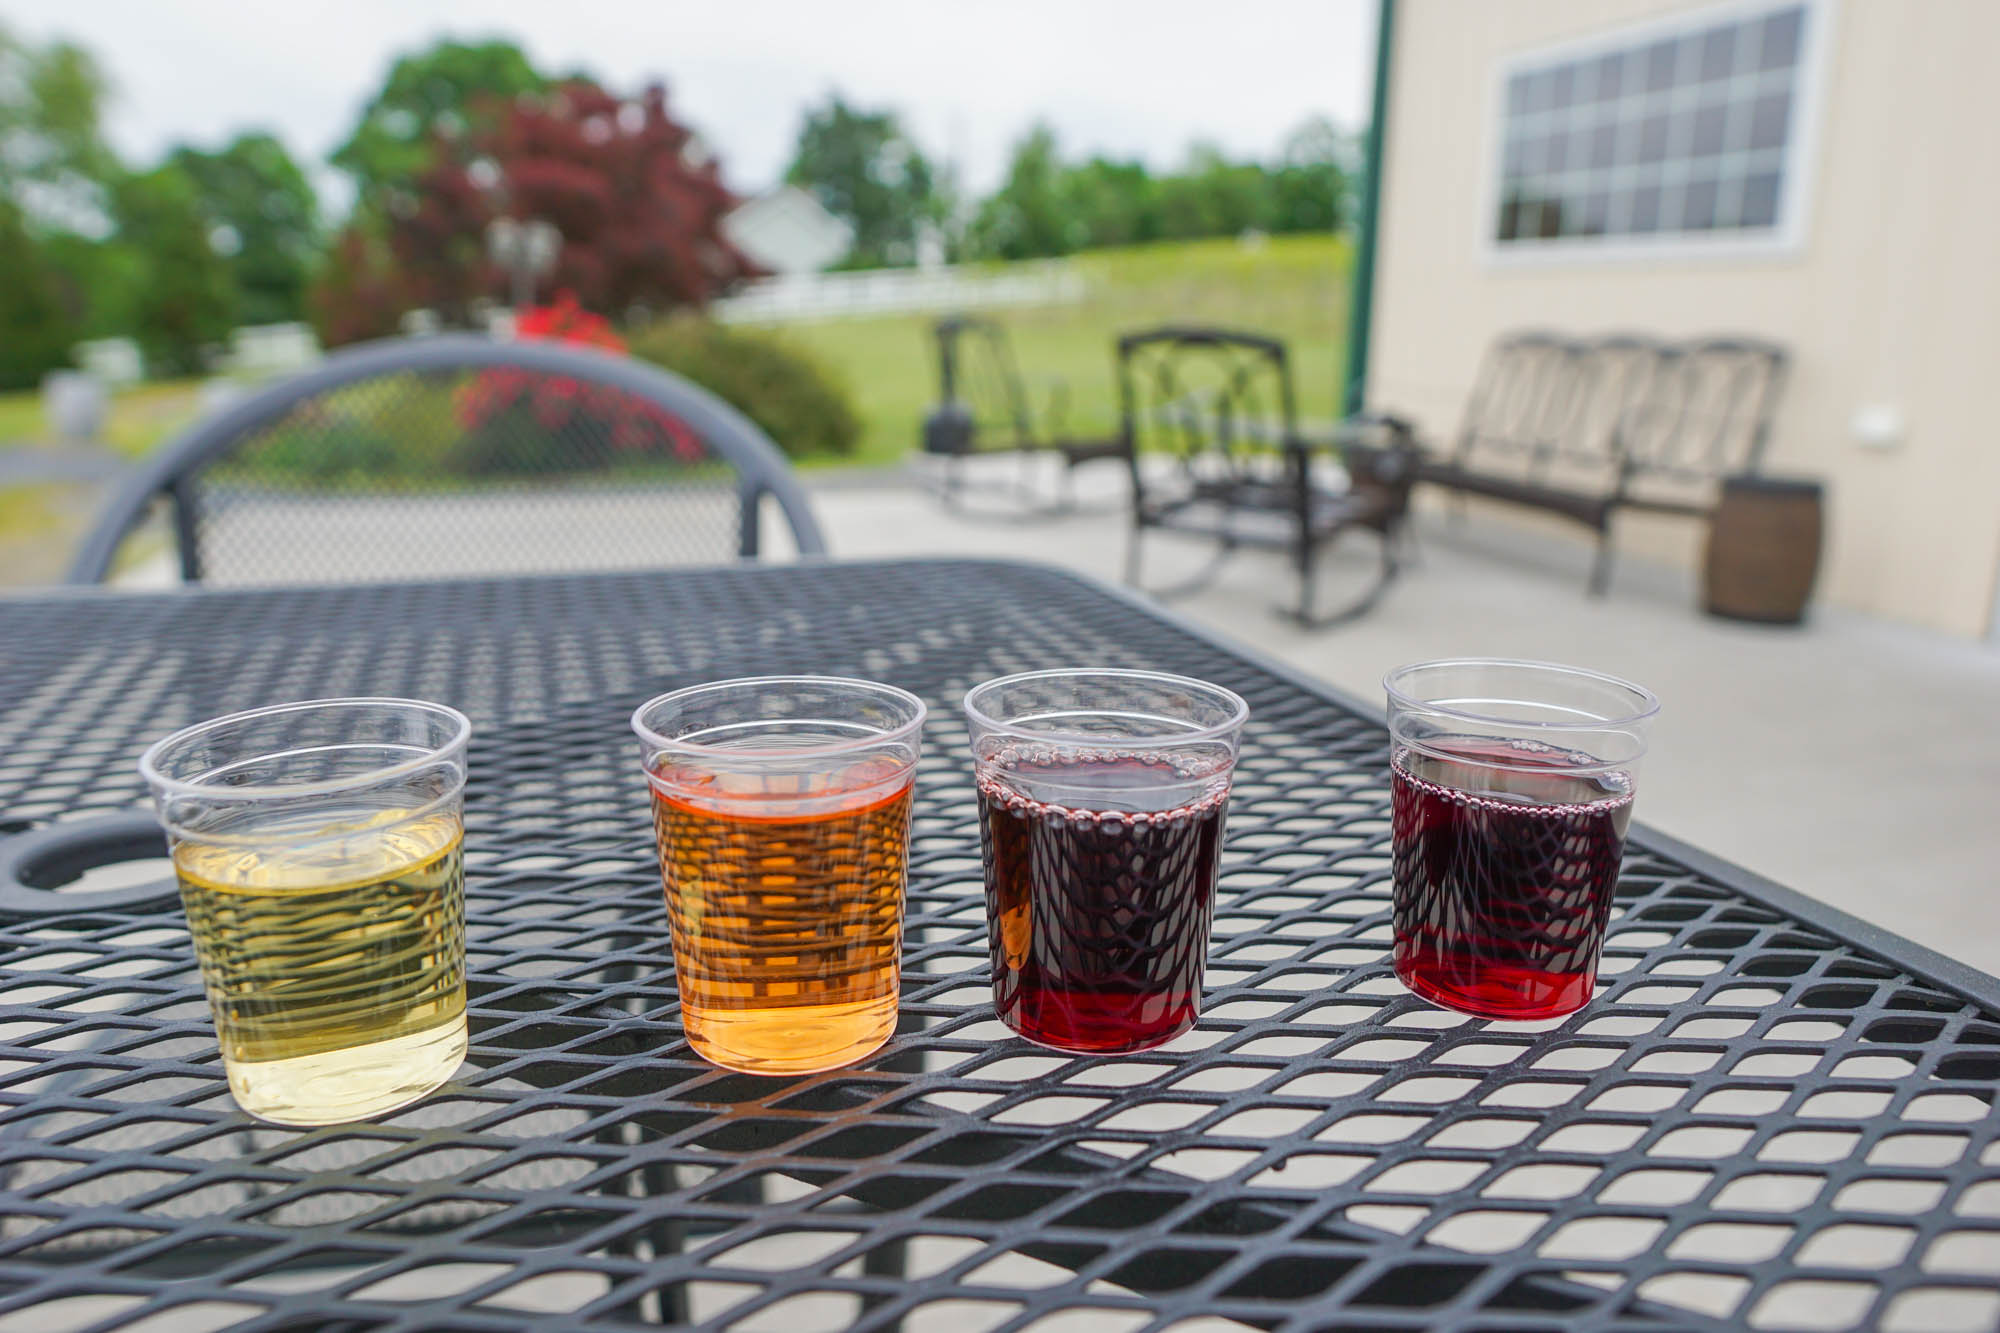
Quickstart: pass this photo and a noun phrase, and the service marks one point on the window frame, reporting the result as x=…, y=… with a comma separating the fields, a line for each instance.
x=1785, y=239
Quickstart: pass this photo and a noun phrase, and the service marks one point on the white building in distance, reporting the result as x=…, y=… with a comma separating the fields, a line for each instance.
x=786, y=232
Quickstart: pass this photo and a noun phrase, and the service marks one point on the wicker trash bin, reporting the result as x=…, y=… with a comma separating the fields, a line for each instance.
x=1763, y=549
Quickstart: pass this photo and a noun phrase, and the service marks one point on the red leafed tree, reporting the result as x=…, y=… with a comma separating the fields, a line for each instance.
x=637, y=200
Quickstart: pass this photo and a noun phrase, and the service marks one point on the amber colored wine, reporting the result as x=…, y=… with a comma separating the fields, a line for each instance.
x=787, y=914
x=334, y=954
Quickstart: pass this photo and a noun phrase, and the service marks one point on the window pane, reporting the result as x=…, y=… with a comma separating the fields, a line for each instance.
x=1540, y=88
x=1562, y=86
x=1653, y=138
x=1708, y=125
x=1781, y=39
x=1660, y=66
x=1718, y=52
x=1593, y=215
x=1558, y=153
x=1698, y=205
x=1760, y=200
x=1646, y=209
x=1517, y=94
x=1603, y=145
x=1609, y=72
x=1769, y=118
x=1551, y=219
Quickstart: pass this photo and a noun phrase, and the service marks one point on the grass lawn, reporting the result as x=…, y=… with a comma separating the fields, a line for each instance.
x=1291, y=287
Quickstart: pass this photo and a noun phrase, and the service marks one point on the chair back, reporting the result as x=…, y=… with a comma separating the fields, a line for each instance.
x=460, y=455
x=1522, y=398
x=1709, y=413
x=1218, y=401
x=978, y=375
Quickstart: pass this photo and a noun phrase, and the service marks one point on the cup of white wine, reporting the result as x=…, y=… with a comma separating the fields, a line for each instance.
x=318, y=848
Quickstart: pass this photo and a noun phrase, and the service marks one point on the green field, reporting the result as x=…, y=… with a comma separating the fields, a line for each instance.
x=1293, y=288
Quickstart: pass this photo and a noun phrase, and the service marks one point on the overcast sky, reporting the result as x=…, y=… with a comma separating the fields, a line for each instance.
x=1126, y=77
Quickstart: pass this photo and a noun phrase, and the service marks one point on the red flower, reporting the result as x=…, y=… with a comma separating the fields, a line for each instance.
x=633, y=426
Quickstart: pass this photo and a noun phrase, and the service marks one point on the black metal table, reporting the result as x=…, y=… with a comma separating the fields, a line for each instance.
x=1773, y=1115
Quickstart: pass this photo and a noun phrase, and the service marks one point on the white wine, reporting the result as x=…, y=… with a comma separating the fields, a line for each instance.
x=333, y=949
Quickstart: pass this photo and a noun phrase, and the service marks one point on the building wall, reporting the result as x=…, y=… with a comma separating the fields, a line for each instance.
x=1892, y=299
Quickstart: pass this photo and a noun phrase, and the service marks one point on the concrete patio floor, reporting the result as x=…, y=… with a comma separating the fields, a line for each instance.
x=1851, y=759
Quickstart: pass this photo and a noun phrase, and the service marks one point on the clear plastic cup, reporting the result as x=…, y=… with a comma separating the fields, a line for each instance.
x=1511, y=788
x=319, y=852
x=782, y=810
x=1102, y=795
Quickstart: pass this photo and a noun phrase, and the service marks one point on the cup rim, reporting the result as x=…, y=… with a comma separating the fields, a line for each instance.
x=163, y=785
x=1648, y=703
x=1239, y=707
x=660, y=743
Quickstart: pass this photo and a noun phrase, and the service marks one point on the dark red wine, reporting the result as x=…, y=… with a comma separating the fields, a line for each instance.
x=1100, y=919
x=1505, y=868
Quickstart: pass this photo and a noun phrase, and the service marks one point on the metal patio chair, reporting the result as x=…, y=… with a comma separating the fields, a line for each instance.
x=984, y=409
x=1210, y=429
x=458, y=455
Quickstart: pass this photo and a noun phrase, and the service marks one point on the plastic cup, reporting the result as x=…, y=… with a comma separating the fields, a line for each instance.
x=319, y=852
x=1511, y=788
x=782, y=810
x=1102, y=795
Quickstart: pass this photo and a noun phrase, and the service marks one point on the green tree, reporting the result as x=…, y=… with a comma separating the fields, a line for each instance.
x=35, y=330
x=100, y=281
x=51, y=99
x=53, y=166
x=264, y=218
x=453, y=89
x=1214, y=197
x=1311, y=188
x=1118, y=202
x=1028, y=216
x=863, y=168
x=187, y=298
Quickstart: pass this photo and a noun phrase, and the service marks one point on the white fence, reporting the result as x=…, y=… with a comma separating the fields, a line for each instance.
x=895, y=290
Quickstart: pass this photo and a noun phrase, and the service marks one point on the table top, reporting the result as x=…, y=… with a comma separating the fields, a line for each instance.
x=1772, y=1114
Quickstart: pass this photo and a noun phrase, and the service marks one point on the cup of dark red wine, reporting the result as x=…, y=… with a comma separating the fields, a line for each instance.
x=1511, y=787
x=1102, y=795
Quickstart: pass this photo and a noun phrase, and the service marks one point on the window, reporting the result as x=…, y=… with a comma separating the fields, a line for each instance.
x=1668, y=133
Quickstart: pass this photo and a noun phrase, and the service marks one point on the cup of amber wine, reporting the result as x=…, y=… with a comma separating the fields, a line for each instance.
x=318, y=849
x=782, y=810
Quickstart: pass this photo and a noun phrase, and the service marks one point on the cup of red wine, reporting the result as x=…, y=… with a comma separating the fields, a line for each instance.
x=1101, y=803
x=1511, y=786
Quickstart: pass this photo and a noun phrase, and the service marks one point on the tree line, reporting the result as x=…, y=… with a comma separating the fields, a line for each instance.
x=179, y=252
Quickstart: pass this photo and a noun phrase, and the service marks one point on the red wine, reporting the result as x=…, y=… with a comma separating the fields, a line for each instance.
x=1100, y=918
x=1505, y=866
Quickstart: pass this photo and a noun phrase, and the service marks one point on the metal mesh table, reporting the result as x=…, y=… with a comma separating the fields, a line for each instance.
x=1772, y=1115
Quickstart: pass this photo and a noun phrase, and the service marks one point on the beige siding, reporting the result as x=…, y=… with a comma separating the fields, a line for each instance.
x=1893, y=297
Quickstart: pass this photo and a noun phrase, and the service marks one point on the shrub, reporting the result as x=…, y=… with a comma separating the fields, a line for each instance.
x=779, y=386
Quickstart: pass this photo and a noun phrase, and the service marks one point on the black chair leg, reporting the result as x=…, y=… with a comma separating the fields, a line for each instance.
x=1600, y=567
x=1362, y=605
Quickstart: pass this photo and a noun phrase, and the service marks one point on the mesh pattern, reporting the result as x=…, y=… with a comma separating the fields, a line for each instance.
x=1756, y=1122
x=487, y=470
